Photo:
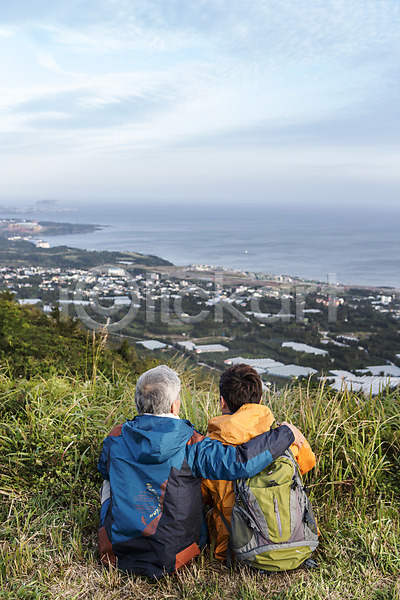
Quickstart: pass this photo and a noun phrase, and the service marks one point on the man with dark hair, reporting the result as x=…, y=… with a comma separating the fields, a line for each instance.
x=152, y=465
x=243, y=418
x=240, y=385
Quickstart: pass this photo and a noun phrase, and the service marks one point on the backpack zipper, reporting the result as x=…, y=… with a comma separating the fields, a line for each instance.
x=278, y=516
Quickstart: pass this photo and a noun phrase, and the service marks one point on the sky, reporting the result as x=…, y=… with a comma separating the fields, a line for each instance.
x=270, y=101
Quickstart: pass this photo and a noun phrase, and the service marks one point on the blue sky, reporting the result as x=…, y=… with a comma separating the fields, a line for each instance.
x=271, y=101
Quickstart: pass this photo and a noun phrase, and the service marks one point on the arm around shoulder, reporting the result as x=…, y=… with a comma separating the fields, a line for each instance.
x=211, y=459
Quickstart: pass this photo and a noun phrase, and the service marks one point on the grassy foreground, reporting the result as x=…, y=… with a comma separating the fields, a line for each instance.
x=50, y=438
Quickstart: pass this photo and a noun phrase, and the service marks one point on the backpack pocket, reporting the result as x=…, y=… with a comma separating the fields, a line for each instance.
x=275, y=506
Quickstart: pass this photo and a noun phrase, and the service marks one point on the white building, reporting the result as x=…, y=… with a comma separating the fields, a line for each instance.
x=116, y=272
x=29, y=301
x=211, y=348
x=271, y=367
x=187, y=345
x=304, y=348
x=42, y=244
x=385, y=370
x=260, y=364
x=343, y=380
x=153, y=344
x=291, y=371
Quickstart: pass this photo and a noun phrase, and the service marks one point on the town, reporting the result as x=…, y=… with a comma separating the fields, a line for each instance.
x=287, y=328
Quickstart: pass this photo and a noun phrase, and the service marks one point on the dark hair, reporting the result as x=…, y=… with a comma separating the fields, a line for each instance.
x=240, y=384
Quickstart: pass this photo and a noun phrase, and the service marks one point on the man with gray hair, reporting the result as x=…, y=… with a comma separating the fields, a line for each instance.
x=151, y=512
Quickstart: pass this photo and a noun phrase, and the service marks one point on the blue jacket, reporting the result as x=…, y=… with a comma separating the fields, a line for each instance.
x=151, y=512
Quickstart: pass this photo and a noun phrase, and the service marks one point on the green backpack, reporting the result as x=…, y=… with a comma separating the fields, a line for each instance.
x=273, y=527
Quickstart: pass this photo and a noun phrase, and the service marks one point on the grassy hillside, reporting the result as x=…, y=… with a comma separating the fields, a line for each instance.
x=51, y=431
x=33, y=343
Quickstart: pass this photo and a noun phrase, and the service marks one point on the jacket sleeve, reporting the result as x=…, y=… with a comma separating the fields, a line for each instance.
x=212, y=460
x=305, y=457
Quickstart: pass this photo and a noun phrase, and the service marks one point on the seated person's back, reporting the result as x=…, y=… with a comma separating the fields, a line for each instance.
x=151, y=513
x=242, y=419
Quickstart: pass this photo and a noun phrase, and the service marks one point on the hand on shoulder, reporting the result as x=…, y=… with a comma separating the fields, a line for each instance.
x=298, y=436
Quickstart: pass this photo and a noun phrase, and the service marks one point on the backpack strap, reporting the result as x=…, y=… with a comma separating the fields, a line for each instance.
x=288, y=452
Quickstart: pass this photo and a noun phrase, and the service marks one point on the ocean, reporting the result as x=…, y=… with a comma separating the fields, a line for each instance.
x=358, y=246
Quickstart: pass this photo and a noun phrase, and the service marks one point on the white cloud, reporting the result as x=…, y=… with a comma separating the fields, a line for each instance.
x=6, y=32
x=48, y=62
x=156, y=77
x=121, y=36
x=25, y=123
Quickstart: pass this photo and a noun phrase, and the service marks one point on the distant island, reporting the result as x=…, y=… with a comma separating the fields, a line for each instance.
x=41, y=206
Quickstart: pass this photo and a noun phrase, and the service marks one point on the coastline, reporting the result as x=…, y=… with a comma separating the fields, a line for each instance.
x=373, y=265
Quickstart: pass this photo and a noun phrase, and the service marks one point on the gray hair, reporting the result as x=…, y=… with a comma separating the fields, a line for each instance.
x=156, y=390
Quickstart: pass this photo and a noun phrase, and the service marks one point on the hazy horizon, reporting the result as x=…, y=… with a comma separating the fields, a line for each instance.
x=64, y=206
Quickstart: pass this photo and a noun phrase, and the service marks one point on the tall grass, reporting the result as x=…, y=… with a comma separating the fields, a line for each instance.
x=50, y=438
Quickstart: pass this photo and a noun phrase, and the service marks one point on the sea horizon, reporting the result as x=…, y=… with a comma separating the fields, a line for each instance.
x=351, y=246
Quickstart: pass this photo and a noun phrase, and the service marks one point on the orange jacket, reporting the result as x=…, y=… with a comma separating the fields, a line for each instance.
x=235, y=429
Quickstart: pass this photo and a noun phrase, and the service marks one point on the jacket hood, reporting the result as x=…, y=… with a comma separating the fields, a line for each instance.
x=152, y=439
x=240, y=427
